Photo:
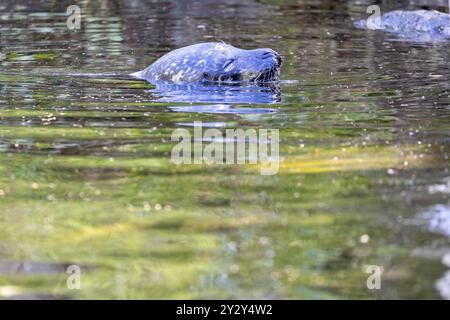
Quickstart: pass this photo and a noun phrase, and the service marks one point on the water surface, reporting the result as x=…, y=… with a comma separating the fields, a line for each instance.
x=86, y=177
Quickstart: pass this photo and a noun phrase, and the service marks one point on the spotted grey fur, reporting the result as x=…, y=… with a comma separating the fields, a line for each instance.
x=213, y=62
x=418, y=23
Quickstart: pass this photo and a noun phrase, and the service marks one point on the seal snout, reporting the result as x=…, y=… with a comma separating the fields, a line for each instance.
x=271, y=54
x=279, y=59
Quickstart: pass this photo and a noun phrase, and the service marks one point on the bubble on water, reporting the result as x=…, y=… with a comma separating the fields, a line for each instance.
x=364, y=239
x=291, y=273
x=438, y=218
x=391, y=171
x=446, y=259
x=440, y=188
x=234, y=268
x=232, y=246
x=275, y=275
x=264, y=241
x=9, y=291
x=443, y=286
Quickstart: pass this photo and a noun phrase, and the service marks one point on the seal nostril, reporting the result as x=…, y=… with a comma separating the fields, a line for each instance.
x=267, y=54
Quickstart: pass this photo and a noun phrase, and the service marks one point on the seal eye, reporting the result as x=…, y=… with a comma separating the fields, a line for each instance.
x=205, y=75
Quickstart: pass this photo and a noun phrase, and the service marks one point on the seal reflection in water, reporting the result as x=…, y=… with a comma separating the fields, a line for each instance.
x=215, y=72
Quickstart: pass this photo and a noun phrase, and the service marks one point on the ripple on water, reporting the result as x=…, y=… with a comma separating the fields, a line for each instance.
x=438, y=220
x=366, y=120
x=221, y=109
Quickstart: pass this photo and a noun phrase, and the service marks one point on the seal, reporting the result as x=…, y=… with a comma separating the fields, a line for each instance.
x=213, y=62
x=414, y=23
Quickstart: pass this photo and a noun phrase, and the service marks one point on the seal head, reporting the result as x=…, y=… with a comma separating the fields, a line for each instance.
x=412, y=24
x=213, y=62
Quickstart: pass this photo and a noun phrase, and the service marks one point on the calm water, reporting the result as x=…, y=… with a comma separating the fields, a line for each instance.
x=86, y=177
